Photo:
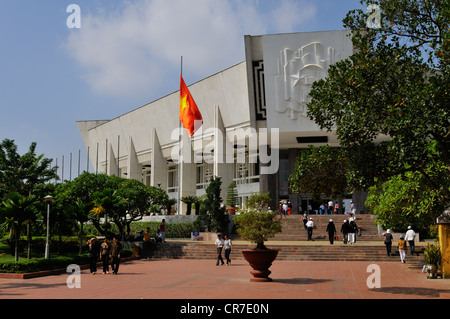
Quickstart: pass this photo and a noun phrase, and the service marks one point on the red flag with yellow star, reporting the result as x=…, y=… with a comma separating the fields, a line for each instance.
x=190, y=116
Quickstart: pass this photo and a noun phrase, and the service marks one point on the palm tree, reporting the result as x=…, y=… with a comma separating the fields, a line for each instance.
x=15, y=212
x=22, y=173
x=189, y=200
x=79, y=211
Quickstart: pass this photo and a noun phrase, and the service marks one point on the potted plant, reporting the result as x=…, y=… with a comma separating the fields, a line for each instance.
x=257, y=226
x=432, y=256
x=232, y=198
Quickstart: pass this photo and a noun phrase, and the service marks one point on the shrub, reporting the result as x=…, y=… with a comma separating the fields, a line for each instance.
x=257, y=227
x=40, y=264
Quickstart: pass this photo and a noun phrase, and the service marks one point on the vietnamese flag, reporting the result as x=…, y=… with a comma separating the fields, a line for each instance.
x=189, y=113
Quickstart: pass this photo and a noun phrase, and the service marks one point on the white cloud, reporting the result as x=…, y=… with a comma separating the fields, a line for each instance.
x=132, y=49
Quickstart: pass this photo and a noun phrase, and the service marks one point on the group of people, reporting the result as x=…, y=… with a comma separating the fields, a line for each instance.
x=221, y=244
x=332, y=207
x=349, y=230
x=401, y=244
x=284, y=209
x=105, y=252
x=110, y=251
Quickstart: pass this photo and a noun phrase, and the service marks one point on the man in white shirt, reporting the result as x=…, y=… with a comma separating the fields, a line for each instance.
x=219, y=244
x=285, y=209
x=409, y=237
x=309, y=227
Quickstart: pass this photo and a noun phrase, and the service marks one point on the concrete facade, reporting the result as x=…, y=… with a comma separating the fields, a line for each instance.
x=255, y=123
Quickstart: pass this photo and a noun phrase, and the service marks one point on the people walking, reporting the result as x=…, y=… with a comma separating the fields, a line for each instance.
x=219, y=244
x=330, y=207
x=285, y=209
x=410, y=236
x=280, y=211
x=114, y=254
x=345, y=229
x=305, y=219
x=353, y=209
x=331, y=230
x=402, y=248
x=227, y=245
x=309, y=227
x=388, y=241
x=104, y=254
x=353, y=230
x=94, y=254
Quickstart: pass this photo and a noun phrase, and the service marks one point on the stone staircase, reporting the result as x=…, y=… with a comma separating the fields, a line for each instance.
x=293, y=229
x=321, y=252
x=292, y=244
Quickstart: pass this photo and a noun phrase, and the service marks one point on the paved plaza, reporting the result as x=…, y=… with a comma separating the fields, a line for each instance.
x=201, y=279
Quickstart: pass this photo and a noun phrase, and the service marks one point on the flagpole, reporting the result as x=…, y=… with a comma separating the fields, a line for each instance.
x=180, y=131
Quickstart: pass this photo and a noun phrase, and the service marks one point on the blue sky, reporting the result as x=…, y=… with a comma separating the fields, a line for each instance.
x=126, y=54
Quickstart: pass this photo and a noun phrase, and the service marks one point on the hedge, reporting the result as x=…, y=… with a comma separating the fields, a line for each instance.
x=173, y=230
x=40, y=264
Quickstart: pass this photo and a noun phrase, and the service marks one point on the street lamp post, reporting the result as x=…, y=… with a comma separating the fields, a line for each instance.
x=48, y=199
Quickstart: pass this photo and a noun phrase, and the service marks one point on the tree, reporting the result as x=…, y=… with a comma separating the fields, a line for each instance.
x=257, y=226
x=122, y=202
x=320, y=171
x=213, y=214
x=22, y=173
x=15, y=212
x=189, y=200
x=77, y=198
x=255, y=223
x=258, y=201
x=395, y=86
x=232, y=195
x=407, y=199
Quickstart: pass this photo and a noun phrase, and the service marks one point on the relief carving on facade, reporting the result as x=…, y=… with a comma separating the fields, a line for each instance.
x=297, y=71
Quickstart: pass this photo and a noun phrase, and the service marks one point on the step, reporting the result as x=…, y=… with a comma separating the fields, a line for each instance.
x=293, y=228
x=287, y=252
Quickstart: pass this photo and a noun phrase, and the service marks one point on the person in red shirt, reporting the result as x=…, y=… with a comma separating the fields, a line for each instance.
x=162, y=228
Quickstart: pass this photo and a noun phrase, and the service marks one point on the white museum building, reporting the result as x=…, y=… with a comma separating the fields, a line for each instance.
x=254, y=123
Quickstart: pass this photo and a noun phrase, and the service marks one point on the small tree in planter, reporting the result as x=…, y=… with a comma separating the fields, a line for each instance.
x=257, y=226
x=232, y=198
x=432, y=256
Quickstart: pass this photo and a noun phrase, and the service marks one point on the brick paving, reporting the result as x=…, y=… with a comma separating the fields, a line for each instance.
x=201, y=279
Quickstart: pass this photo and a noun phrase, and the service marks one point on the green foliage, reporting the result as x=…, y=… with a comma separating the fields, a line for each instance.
x=432, y=255
x=320, y=170
x=173, y=230
x=406, y=199
x=255, y=223
x=189, y=201
x=257, y=226
x=395, y=86
x=22, y=173
x=91, y=197
x=258, y=201
x=41, y=264
x=232, y=195
x=213, y=215
x=15, y=212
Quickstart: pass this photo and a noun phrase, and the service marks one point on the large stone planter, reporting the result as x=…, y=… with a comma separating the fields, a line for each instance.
x=260, y=260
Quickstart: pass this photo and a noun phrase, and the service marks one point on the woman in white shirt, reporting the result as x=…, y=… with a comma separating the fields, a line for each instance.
x=219, y=243
x=227, y=245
